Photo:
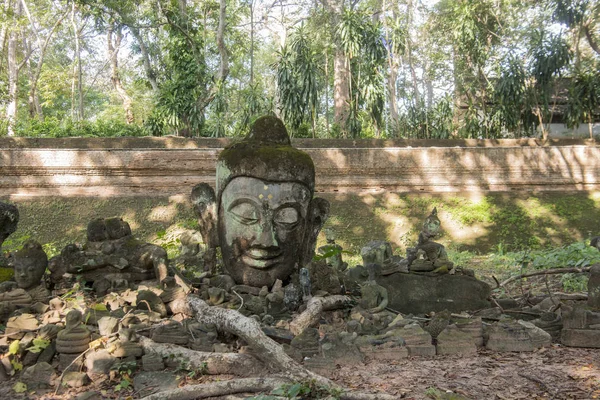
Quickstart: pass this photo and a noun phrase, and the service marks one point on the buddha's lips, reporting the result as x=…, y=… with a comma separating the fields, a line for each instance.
x=261, y=258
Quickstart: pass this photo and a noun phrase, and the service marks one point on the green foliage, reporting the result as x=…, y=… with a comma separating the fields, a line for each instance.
x=577, y=254
x=191, y=373
x=181, y=100
x=584, y=97
x=124, y=371
x=420, y=122
x=6, y=274
x=52, y=127
x=39, y=344
x=574, y=282
x=297, y=76
x=330, y=251
x=19, y=387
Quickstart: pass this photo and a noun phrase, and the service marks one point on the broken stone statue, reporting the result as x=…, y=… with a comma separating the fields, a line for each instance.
x=30, y=263
x=111, y=258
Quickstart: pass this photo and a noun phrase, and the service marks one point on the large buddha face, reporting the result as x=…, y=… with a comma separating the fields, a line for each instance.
x=262, y=229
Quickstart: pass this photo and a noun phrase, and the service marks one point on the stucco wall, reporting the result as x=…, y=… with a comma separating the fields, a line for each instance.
x=167, y=166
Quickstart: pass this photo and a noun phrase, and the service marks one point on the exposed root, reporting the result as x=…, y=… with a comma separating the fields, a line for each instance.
x=213, y=363
x=313, y=311
x=218, y=389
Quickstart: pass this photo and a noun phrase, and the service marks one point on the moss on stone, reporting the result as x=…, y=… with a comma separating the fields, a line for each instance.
x=6, y=274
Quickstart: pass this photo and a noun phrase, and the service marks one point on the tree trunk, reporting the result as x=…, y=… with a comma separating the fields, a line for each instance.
x=341, y=91
x=327, y=117
x=251, y=43
x=593, y=44
x=77, y=72
x=341, y=71
x=34, y=75
x=223, y=54
x=150, y=74
x=411, y=64
x=33, y=101
x=5, y=8
x=13, y=76
x=392, y=74
x=113, y=52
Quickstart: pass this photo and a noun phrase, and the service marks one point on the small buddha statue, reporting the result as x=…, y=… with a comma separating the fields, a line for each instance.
x=75, y=338
x=275, y=304
x=428, y=255
x=374, y=297
x=333, y=252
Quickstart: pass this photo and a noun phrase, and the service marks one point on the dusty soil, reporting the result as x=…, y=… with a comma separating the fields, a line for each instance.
x=549, y=373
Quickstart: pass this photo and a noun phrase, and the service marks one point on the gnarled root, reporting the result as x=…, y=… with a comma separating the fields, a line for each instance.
x=313, y=311
x=214, y=363
x=217, y=389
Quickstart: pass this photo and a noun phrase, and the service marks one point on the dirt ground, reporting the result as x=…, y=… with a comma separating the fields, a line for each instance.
x=556, y=372
x=550, y=373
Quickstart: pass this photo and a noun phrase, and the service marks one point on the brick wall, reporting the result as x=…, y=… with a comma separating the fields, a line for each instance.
x=167, y=166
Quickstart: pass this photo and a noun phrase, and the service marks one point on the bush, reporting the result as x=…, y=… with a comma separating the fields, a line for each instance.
x=52, y=127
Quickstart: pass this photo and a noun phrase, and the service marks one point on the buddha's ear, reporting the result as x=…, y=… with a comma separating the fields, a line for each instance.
x=317, y=215
x=204, y=202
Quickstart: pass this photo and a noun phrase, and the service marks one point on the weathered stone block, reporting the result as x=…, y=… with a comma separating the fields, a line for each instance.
x=516, y=336
x=99, y=362
x=385, y=352
x=453, y=340
x=581, y=338
x=424, y=350
x=420, y=294
x=37, y=376
x=76, y=379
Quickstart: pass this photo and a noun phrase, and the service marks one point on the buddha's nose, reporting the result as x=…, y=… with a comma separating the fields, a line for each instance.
x=266, y=237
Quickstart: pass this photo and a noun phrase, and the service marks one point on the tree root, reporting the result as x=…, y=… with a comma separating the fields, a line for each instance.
x=213, y=363
x=218, y=389
x=264, y=348
x=314, y=308
x=224, y=389
x=267, y=350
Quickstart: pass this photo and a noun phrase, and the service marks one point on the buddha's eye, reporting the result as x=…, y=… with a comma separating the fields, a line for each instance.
x=286, y=216
x=245, y=213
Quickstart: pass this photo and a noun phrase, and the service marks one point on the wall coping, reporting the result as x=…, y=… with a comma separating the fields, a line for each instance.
x=174, y=142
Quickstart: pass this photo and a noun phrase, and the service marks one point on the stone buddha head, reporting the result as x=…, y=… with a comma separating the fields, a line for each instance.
x=30, y=263
x=268, y=220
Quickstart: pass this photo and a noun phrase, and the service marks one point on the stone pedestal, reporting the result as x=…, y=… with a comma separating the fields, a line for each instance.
x=412, y=293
